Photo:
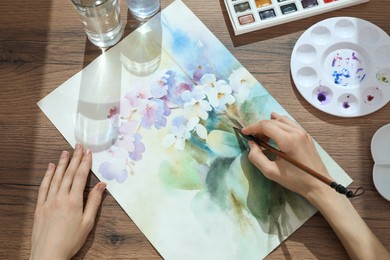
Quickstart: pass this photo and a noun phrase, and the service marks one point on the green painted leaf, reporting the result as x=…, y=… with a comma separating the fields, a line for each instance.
x=216, y=181
x=223, y=144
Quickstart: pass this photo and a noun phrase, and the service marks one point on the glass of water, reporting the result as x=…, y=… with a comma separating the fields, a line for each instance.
x=143, y=9
x=101, y=20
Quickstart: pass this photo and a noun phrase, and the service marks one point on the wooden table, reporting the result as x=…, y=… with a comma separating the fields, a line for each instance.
x=42, y=43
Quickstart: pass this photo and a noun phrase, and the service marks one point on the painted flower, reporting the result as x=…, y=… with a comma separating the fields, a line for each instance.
x=218, y=92
x=241, y=82
x=181, y=132
x=126, y=135
x=153, y=113
x=220, y=96
x=174, y=87
x=199, y=72
x=139, y=148
x=159, y=88
x=195, y=104
x=208, y=81
x=112, y=170
x=137, y=94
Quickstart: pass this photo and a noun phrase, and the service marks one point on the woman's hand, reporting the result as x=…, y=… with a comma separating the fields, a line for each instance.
x=61, y=223
x=293, y=141
x=359, y=241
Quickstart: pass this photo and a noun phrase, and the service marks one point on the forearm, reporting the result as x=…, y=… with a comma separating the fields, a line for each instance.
x=359, y=241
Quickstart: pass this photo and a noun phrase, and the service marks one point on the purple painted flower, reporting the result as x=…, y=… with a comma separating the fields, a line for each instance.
x=159, y=89
x=154, y=113
x=199, y=72
x=174, y=88
x=125, y=142
x=139, y=148
x=111, y=170
x=126, y=132
x=129, y=127
x=175, y=92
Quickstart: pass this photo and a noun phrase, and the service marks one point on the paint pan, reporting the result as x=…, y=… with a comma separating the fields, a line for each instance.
x=251, y=15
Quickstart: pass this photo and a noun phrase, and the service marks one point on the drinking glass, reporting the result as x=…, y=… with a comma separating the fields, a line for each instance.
x=143, y=9
x=101, y=20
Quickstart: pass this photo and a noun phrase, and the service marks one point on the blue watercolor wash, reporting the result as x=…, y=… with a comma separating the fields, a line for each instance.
x=181, y=42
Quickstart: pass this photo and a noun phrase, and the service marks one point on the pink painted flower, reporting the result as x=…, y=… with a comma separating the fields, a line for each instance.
x=137, y=95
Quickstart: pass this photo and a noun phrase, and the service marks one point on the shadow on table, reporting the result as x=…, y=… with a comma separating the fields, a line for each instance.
x=306, y=239
x=23, y=51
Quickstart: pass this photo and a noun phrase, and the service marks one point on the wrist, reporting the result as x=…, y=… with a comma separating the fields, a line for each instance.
x=328, y=201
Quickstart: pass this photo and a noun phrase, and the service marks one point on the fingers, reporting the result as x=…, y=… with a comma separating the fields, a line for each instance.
x=93, y=203
x=59, y=173
x=284, y=119
x=261, y=161
x=81, y=175
x=45, y=185
x=72, y=169
x=270, y=128
x=66, y=174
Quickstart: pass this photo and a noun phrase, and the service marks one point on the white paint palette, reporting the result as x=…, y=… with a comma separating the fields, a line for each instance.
x=342, y=66
x=251, y=15
x=380, y=150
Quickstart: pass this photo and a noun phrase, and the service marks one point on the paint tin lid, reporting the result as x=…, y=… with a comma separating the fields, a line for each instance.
x=380, y=150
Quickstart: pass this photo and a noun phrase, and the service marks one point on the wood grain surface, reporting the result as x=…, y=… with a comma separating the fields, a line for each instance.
x=42, y=44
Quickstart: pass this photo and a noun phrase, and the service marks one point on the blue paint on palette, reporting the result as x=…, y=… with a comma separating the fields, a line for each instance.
x=347, y=68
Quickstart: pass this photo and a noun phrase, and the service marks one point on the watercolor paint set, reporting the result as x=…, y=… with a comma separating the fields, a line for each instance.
x=251, y=15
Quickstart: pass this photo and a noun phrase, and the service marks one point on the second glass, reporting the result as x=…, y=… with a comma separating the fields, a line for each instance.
x=143, y=9
x=101, y=20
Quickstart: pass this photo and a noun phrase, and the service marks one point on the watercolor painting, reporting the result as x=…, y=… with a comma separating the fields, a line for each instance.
x=158, y=111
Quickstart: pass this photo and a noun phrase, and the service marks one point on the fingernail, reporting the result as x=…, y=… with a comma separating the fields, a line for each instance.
x=50, y=166
x=64, y=154
x=88, y=152
x=102, y=186
x=78, y=146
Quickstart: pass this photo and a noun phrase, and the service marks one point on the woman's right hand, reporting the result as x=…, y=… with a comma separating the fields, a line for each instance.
x=293, y=141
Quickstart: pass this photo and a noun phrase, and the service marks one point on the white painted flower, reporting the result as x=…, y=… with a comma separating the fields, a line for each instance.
x=195, y=103
x=181, y=131
x=220, y=96
x=210, y=82
x=218, y=92
x=177, y=137
x=241, y=82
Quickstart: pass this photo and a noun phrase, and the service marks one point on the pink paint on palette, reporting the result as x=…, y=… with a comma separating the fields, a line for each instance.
x=251, y=15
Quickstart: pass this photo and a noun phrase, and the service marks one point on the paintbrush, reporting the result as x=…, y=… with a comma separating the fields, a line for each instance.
x=338, y=187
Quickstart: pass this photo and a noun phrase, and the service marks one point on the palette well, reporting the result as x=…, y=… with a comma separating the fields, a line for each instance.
x=341, y=66
x=251, y=15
